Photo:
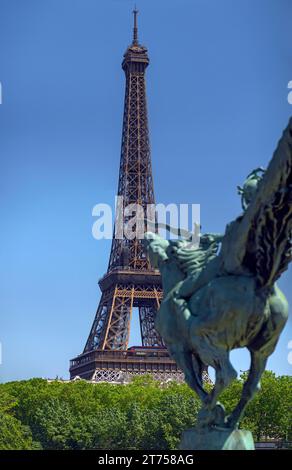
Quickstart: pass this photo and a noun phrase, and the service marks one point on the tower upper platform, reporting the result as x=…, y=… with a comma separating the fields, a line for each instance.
x=135, y=58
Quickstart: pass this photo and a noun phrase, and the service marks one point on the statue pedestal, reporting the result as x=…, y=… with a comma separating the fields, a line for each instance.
x=216, y=439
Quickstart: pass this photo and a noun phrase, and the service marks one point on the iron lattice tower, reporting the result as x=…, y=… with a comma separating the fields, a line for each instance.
x=130, y=280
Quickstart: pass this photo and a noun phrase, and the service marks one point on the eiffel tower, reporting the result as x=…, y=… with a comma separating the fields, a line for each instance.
x=130, y=281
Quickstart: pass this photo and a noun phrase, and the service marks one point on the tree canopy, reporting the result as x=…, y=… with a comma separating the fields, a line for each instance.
x=37, y=414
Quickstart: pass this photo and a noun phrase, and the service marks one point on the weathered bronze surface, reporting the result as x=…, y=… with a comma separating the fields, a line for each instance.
x=214, y=303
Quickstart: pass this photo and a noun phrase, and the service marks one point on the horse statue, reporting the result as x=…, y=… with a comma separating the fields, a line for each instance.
x=223, y=295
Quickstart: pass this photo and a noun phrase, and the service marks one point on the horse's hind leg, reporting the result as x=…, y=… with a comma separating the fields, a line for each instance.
x=261, y=348
x=199, y=368
x=258, y=364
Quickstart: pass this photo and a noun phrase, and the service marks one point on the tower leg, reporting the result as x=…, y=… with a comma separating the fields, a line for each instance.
x=150, y=337
x=117, y=330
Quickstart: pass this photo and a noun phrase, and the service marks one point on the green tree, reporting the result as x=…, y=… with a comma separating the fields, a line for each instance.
x=13, y=434
x=141, y=415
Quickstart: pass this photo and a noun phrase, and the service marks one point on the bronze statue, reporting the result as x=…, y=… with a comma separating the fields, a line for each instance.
x=215, y=302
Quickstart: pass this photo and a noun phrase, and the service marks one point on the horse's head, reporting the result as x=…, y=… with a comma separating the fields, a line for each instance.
x=162, y=255
x=156, y=248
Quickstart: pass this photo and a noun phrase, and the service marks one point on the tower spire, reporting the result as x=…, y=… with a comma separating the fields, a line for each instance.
x=135, y=29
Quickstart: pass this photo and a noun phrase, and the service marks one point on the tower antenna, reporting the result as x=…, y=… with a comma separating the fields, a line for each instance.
x=135, y=29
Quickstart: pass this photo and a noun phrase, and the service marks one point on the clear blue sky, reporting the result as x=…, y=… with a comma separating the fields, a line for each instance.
x=217, y=98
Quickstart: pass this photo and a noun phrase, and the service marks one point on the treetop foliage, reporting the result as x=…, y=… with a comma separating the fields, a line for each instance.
x=37, y=414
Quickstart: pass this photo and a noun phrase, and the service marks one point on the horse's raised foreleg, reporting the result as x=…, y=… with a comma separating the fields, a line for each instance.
x=199, y=368
x=224, y=374
x=184, y=361
x=251, y=386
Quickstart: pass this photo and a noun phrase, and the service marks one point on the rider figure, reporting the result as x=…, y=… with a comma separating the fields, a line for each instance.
x=205, y=262
x=202, y=256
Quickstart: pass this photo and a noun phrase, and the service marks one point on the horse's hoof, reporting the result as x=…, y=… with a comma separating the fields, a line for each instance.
x=219, y=414
x=212, y=416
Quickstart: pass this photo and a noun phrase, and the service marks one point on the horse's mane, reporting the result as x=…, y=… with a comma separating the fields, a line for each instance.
x=190, y=259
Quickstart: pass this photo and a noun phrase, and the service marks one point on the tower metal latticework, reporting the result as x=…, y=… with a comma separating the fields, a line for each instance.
x=130, y=281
